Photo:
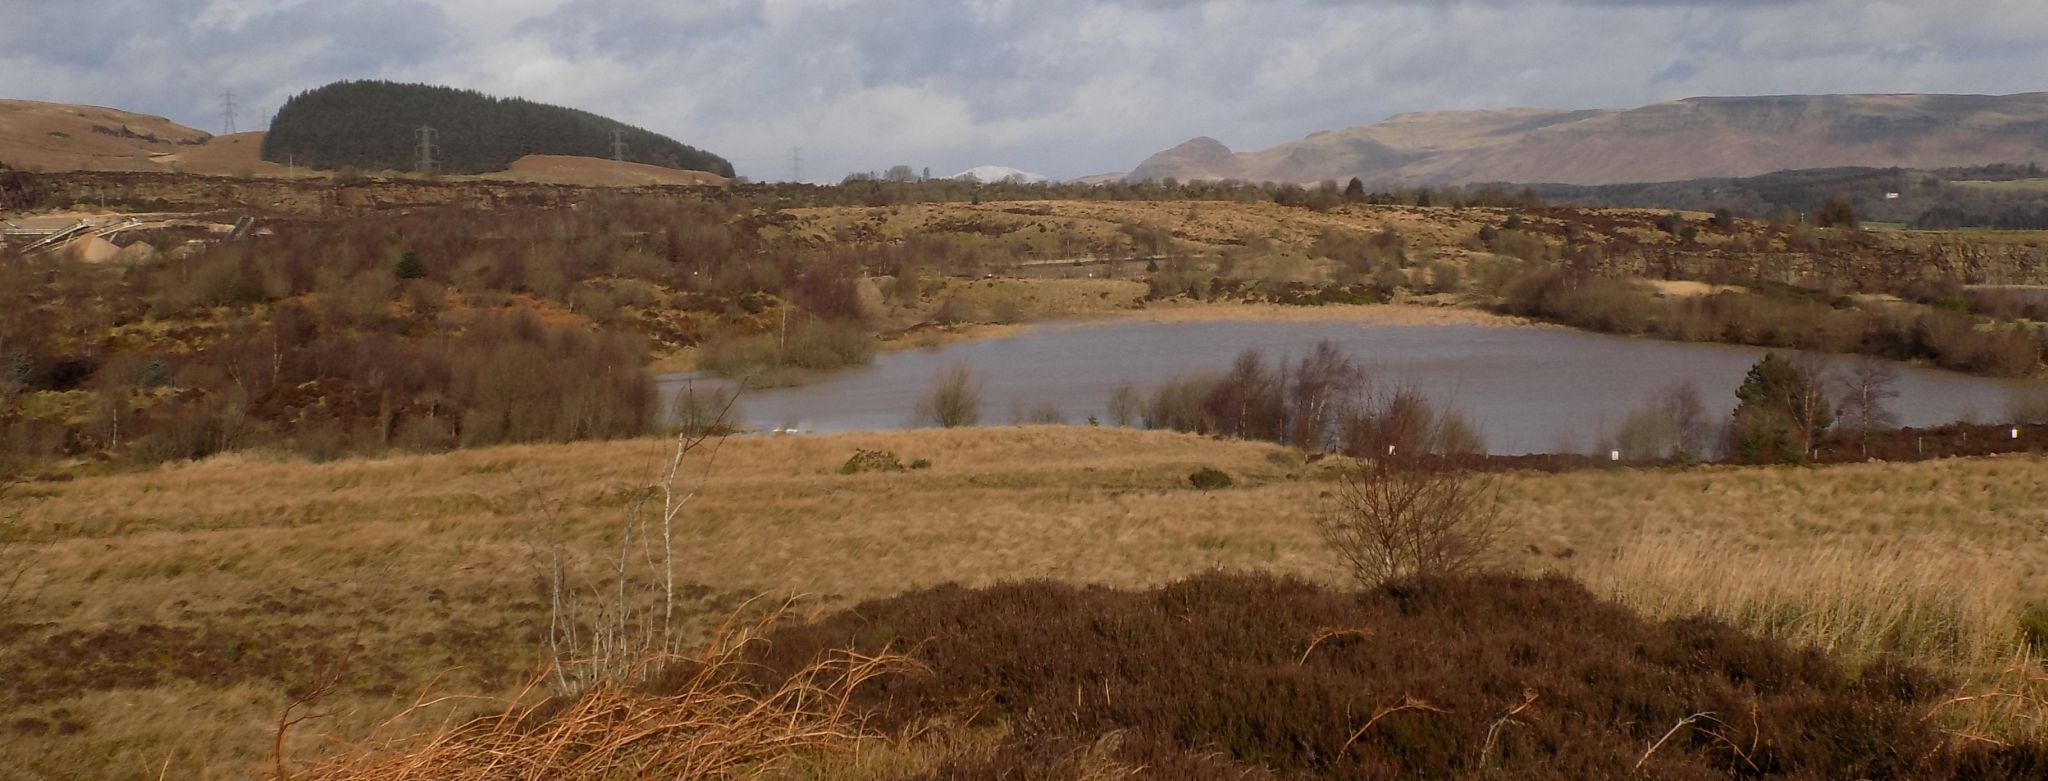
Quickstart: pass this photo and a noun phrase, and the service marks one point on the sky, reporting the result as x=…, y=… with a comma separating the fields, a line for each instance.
x=1063, y=88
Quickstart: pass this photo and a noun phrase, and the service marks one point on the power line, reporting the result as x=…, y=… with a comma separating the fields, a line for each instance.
x=618, y=156
x=428, y=137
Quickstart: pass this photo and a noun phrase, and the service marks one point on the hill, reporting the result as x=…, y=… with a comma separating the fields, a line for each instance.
x=370, y=125
x=1685, y=139
x=64, y=137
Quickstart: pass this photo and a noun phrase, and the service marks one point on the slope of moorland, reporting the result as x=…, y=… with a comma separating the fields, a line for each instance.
x=63, y=137
x=170, y=615
x=370, y=125
x=1685, y=139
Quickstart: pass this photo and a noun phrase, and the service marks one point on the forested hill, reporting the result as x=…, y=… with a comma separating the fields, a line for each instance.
x=370, y=124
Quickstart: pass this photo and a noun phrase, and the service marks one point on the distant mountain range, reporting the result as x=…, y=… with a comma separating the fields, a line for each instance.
x=1685, y=139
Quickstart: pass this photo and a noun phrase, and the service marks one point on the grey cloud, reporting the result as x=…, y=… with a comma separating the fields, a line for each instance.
x=1062, y=87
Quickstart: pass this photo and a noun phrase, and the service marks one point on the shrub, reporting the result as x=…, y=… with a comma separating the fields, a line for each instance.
x=1209, y=478
x=1181, y=405
x=1235, y=676
x=829, y=345
x=734, y=356
x=810, y=345
x=864, y=460
x=1402, y=518
x=954, y=310
x=954, y=399
x=1041, y=414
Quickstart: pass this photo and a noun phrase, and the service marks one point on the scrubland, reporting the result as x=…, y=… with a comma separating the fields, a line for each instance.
x=171, y=615
x=274, y=492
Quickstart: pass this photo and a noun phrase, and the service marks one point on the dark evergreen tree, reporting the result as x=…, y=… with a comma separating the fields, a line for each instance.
x=409, y=266
x=370, y=125
x=1782, y=414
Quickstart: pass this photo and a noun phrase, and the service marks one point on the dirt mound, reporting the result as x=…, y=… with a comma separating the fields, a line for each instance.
x=1255, y=676
x=92, y=250
x=564, y=169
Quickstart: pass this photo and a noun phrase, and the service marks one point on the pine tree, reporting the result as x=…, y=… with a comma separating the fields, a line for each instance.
x=409, y=266
x=1354, y=192
x=1782, y=413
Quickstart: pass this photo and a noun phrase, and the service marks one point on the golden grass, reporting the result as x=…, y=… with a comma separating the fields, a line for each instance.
x=436, y=559
x=702, y=722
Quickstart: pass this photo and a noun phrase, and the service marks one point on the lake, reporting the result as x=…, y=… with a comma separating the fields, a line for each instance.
x=1526, y=389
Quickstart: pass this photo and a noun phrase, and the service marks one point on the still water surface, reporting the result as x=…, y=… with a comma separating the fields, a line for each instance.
x=1526, y=389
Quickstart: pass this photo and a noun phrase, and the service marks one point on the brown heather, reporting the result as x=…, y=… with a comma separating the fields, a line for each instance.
x=167, y=617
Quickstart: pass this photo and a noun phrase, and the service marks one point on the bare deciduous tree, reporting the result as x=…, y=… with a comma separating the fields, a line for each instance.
x=1866, y=387
x=1402, y=518
x=1126, y=408
x=1325, y=382
x=606, y=630
x=1673, y=425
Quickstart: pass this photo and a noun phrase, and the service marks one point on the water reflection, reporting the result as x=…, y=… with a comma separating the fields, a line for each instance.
x=1527, y=389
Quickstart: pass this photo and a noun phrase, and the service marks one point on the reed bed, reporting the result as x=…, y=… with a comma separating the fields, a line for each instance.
x=1849, y=598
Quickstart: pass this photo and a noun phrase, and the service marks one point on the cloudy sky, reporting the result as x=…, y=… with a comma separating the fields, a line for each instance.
x=1060, y=87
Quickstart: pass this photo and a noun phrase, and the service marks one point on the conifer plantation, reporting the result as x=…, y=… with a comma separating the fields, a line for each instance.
x=370, y=125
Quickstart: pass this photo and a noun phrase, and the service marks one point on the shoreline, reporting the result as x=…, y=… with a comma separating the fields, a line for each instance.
x=1399, y=315
x=929, y=335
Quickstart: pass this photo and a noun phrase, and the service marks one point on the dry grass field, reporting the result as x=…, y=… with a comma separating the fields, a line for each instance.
x=167, y=616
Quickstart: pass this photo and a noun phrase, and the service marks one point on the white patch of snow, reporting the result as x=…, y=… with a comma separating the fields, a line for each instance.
x=992, y=174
